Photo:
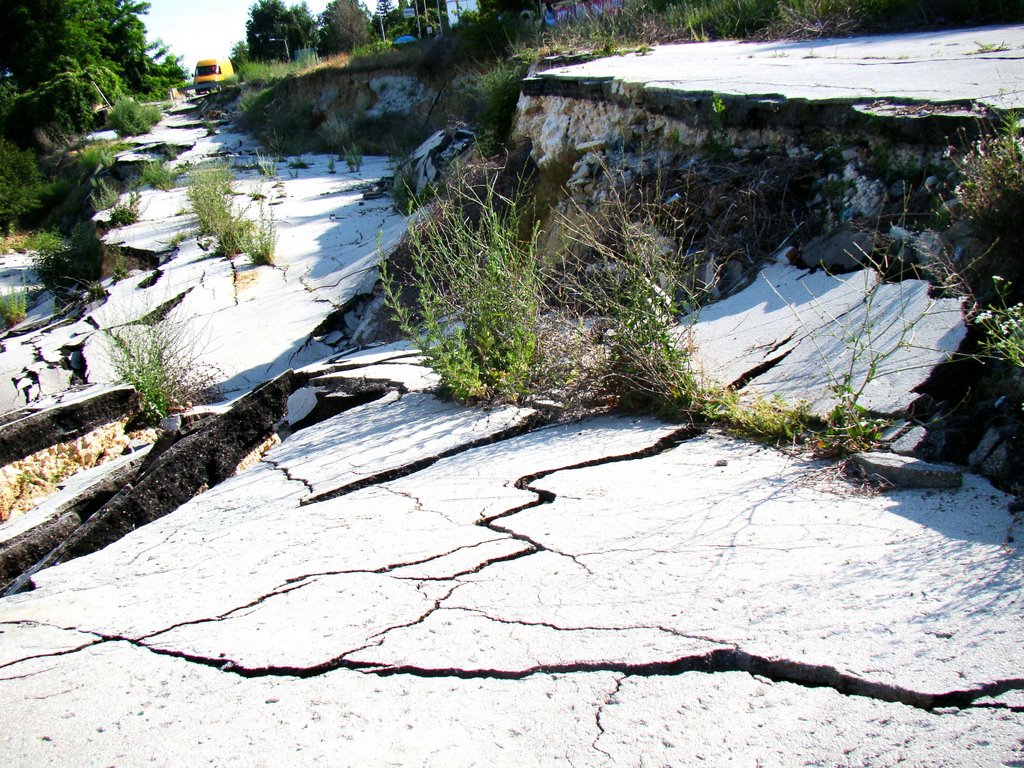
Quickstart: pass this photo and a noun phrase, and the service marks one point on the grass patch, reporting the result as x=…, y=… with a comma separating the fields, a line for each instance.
x=267, y=73
x=126, y=211
x=13, y=305
x=130, y=117
x=157, y=175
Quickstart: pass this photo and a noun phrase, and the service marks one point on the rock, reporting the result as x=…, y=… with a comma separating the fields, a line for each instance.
x=845, y=249
x=910, y=443
x=908, y=472
x=171, y=423
x=301, y=402
x=998, y=455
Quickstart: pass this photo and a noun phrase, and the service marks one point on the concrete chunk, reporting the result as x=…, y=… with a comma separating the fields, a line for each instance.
x=908, y=472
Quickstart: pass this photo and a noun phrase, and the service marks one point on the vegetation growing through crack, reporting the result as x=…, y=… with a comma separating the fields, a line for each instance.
x=598, y=326
x=210, y=195
x=160, y=357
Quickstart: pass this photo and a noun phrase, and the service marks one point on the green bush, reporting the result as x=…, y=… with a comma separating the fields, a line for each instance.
x=61, y=107
x=66, y=263
x=130, y=117
x=500, y=88
x=96, y=157
x=20, y=183
x=160, y=359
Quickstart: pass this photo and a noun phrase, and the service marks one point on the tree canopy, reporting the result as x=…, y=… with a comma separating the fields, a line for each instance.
x=58, y=58
x=39, y=37
x=344, y=24
x=271, y=22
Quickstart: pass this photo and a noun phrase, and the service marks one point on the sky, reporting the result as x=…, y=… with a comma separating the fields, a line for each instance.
x=203, y=29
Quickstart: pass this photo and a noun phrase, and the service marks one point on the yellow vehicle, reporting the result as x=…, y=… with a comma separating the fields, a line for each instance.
x=210, y=73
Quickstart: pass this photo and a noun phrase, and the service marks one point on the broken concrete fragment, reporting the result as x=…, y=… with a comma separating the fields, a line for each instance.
x=908, y=472
x=63, y=417
x=27, y=539
x=910, y=443
x=428, y=161
x=845, y=249
x=805, y=335
x=200, y=460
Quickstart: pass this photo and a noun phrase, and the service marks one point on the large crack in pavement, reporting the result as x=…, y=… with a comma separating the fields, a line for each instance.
x=396, y=473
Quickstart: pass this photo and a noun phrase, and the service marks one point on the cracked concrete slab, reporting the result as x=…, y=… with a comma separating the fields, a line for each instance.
x=653, y=721
x=800, y=335
x=984, y=65
x=386, y=436
x=590, y=572
x=915, y=589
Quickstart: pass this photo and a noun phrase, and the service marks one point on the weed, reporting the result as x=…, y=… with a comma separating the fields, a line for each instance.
x=161, y=360
x=157, y=175
x=353, y=158
x=126, y=211
x=773, y=420
x=331, y=167
x=262, y=238
x=130, y=117
x=1003, y=325
x=992, y=184
x=104, y=195
x=267, y=166
x=478, y=299
x=298, y=163
x=13, y=305
x=209, y=195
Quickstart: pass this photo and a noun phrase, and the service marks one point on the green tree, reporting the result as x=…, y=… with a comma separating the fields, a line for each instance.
x=20, y=183
x=344, y=24
x=271, y=22
x=60, y=58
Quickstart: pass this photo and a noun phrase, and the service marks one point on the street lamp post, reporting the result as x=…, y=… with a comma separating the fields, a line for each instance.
x=287, y=53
